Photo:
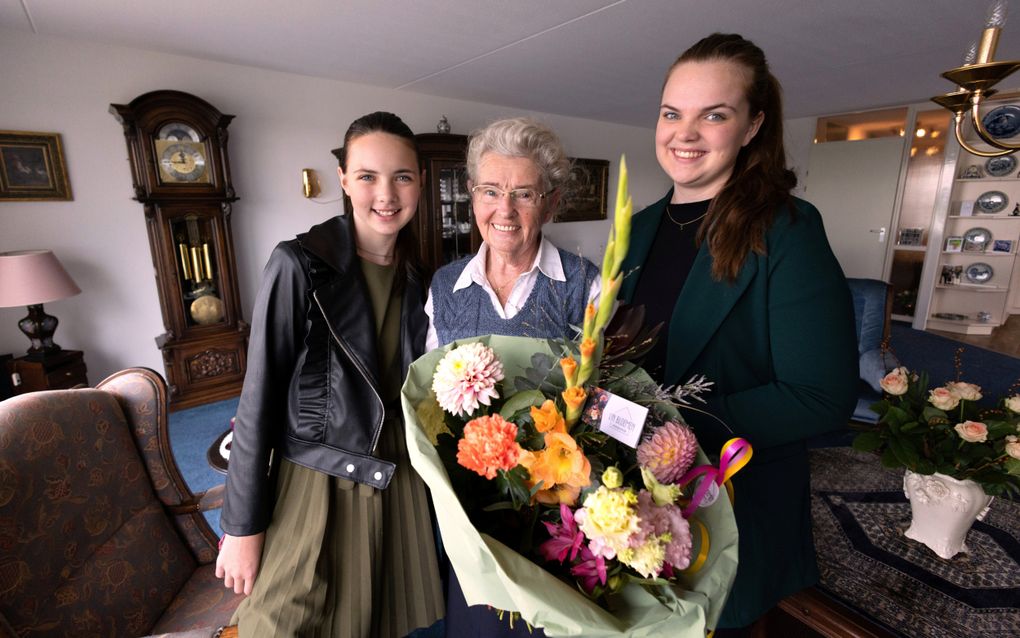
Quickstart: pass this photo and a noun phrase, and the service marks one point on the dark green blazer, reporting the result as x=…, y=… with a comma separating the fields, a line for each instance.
x=780, y=346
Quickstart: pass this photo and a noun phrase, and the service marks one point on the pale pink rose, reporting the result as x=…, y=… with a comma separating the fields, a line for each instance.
x=972, y=431
x=896, y=382
x=1013, y=446
x=943, y=399
x=966, y=391
x=1013, y=403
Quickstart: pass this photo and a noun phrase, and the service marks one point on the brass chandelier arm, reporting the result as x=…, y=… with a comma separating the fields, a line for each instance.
x=983, y=133
x=959, y=116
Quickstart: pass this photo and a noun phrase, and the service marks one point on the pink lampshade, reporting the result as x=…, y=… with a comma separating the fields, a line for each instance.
x=29, y=277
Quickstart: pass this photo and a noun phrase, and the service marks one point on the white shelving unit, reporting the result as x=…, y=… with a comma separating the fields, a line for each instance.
x=969, y=307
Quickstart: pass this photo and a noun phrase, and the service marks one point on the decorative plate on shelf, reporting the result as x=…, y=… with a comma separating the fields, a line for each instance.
x=978, y=272
x=991, y=202
x=1002, y=122
x=1000, y=166
x=977, y=240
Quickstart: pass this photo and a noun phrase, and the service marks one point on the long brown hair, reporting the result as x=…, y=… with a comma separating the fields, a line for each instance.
x=406, y=255
x=742, y=212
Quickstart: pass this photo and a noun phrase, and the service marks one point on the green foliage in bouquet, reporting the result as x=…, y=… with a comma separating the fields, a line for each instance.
x=943, y=429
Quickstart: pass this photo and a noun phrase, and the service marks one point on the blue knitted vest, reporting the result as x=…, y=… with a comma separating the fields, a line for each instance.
x=548, y=313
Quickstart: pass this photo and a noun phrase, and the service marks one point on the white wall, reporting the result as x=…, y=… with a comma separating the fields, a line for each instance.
x=798, y=136
x=283, y=123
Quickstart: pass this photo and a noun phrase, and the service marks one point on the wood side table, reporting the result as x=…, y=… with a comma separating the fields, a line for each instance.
x=59, y=371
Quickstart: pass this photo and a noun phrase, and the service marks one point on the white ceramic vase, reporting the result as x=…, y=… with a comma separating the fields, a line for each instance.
x=943, y=510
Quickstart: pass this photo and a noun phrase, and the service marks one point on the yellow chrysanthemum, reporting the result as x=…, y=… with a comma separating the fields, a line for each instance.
x=647, y=558
x=608, y=519
x=433, y=423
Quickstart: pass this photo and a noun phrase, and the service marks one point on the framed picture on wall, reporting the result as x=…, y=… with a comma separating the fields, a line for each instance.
x=32, y=167
x=1002, y=245
x=954, y=244
x=587, y=192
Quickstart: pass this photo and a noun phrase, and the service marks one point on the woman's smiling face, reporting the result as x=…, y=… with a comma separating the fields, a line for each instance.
x=506, y=226
x=704, y=121
x=383, y=181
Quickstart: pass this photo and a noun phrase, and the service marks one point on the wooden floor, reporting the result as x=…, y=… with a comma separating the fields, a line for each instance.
x=1005, y=339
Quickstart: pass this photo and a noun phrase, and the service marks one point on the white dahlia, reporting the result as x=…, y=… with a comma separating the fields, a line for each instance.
x=465, y=377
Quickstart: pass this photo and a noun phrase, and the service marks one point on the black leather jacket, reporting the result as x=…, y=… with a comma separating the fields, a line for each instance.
x=311, y=393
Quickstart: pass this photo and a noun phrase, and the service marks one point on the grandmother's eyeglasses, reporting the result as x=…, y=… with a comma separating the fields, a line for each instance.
x=523, y=197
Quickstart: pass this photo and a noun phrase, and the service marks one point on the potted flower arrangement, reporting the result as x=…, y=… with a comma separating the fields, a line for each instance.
x=548, y=512
x=957, y=453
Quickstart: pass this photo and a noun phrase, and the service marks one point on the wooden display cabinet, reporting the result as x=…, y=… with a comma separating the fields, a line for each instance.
x=177, y=146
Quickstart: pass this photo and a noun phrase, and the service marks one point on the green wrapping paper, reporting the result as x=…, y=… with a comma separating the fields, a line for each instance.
x=493, y=574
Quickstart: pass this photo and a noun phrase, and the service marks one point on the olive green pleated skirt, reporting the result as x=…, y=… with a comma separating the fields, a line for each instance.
x=347, y=560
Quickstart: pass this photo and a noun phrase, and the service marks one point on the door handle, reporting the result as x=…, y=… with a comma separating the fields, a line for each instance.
x=881, y=233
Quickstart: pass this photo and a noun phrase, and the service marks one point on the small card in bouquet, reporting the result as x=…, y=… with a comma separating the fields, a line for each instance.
x=619, y=418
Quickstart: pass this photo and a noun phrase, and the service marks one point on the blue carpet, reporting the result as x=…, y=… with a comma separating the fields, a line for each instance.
x=919, y=350
x=192, y=431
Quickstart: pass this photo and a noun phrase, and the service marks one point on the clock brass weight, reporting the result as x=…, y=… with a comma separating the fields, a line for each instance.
x=180, y=172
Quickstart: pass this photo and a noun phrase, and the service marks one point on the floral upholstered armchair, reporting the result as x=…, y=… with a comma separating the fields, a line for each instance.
x=99, y=534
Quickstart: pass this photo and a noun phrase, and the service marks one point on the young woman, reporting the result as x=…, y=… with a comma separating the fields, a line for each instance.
x=742, y=275
x=327, y=525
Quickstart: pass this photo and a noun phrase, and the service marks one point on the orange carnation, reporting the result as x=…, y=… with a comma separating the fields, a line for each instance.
x=489, y=445
x=548, y=418
x=587, y=348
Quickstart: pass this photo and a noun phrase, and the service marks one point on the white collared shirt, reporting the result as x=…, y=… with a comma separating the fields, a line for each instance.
x=547, y=261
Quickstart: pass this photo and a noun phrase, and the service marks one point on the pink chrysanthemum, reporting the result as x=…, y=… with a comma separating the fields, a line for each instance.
x=465, y=377
x=669, y=452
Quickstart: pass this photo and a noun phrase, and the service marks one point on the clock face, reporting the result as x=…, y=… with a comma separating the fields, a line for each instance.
x=181, y=155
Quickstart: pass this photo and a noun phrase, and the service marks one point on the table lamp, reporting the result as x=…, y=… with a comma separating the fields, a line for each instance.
x=32, y=278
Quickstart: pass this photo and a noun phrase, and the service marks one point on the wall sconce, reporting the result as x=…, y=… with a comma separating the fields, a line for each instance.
x=310, y=182
x=975, y=79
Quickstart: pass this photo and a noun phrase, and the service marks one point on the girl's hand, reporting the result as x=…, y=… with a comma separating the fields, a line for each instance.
x=238, y=561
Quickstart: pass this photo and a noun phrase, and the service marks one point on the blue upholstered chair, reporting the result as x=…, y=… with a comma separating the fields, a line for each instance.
x=872, y=318
x=872, y=311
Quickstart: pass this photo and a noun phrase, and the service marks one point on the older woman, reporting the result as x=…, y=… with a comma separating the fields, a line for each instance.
x=517, y=283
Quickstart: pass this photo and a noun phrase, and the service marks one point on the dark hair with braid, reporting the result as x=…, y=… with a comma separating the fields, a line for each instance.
x=742, y=212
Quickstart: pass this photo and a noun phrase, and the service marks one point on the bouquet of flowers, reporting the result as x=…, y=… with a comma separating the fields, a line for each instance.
x=551, y=503
x=943, y=429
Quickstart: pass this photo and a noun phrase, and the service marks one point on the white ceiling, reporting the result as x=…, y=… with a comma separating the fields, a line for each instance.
x=597, y=59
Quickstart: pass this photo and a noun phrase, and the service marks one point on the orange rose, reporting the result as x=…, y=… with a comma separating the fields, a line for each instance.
x=548, y=418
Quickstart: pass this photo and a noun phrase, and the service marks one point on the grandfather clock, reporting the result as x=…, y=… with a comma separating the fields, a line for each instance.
x=177, y=147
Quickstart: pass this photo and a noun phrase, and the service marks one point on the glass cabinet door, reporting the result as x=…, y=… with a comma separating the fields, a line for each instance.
x=455, y=219
x=197, y=272
x=927, y=153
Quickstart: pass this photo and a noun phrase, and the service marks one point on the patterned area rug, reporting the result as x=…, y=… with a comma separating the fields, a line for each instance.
x=860, y=512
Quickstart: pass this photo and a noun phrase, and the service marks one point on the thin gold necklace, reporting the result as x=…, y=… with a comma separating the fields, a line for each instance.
x=499, y=289
x=684, y=224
